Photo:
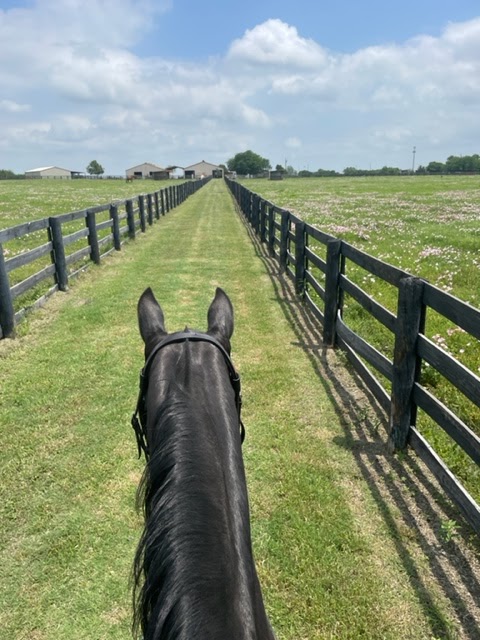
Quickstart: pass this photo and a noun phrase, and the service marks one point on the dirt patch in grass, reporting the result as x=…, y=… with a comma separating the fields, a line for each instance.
x=422, y=530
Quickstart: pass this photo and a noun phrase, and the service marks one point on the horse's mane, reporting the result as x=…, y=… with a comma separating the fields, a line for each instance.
x=181, y=552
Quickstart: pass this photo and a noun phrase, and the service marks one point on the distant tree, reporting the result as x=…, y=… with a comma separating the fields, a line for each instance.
x=304, y=173
x=351, y=171
x=463, y=164
x=325, y=173
x=421, y=170
x=95, y=169
x=280, y=169
x=248, y=163
x=435, y=167
x=6, y=174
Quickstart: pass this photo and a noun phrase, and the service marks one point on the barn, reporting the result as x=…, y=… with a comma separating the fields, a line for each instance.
x=49, y=172
x=200, y=169
x=145, y=170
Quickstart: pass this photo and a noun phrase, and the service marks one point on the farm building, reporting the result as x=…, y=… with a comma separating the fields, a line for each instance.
x=49, y=172
x=200, y=169
x=275, y=175
x=145, y=170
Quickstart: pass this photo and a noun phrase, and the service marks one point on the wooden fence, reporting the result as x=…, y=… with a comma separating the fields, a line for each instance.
x=63, y=254
x=290, y=240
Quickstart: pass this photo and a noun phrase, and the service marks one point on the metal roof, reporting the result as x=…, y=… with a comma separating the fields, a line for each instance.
x=45, y=168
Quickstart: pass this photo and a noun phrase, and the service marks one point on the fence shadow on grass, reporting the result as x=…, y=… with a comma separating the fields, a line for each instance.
x=415, y=511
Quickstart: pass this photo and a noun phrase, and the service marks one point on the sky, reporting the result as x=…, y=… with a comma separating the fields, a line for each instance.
x=306, y=83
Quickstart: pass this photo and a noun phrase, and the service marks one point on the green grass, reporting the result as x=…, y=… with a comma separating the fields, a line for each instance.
x=332, y=558
x=28, y=200
x=427, y=226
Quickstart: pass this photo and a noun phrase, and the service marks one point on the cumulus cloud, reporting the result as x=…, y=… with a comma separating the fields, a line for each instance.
x=276, y=43
x=273, y=89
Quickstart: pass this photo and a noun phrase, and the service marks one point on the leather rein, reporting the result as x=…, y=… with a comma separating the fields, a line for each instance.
x=139, y=418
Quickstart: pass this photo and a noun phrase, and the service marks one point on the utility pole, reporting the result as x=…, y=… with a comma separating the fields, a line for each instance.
x=413, y=163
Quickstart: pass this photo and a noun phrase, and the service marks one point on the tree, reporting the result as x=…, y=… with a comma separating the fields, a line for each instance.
x=435, y=167
x=248, y=163
x=95, y=169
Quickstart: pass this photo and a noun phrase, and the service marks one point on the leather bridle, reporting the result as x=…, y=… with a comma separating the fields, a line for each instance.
x=139, y=418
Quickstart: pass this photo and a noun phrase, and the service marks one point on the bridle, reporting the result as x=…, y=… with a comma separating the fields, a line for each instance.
x=139, y=418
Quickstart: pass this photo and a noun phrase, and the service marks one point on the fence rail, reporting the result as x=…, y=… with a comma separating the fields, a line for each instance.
x=291, y=241
x=104, y=229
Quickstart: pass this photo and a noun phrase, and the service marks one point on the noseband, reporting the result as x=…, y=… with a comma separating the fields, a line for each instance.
x=139, y=418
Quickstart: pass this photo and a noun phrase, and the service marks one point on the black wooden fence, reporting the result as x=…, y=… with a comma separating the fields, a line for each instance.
x=121, y=219
x=290, y=240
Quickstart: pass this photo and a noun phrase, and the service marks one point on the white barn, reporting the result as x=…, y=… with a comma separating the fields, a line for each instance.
x=200, y=169
x=144, y=170
x=49, y=172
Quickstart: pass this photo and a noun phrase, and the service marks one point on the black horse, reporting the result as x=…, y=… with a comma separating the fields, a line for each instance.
x=194, y=573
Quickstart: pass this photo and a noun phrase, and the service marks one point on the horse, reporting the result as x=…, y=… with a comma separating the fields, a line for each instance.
x=130, y=178
x=194, y=573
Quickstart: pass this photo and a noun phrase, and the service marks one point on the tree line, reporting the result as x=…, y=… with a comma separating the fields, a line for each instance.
x=250, y=163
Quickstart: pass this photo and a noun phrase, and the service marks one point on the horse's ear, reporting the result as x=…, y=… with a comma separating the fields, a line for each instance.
x=150, y=319
x=220, y=318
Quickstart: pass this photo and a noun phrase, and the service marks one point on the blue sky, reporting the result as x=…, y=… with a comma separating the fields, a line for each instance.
x=321, y=85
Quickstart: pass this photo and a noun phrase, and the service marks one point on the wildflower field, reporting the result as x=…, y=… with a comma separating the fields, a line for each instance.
x=428, y=226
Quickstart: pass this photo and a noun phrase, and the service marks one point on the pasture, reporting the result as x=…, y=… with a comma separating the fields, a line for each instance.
x=27, y=200
x=427, y=226
x=349, y=541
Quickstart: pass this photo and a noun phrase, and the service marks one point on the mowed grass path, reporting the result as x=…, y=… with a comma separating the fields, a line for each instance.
x=328, y=562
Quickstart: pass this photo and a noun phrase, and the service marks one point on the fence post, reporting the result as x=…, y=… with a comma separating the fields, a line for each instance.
x=58, y=253
x=300, y=255
x=284, y=239
x=162, y=201
x=93, y=237
x=7, y=313
x=332, y=274
x=117, y=243
x=150, y=209
x=406, y=363
x=130, y=219
x=271, y=230
x=141, y=209
x=263, y=220
x=157, y=208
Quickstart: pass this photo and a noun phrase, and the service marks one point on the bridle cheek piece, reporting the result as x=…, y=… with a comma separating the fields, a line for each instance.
x=139, y=418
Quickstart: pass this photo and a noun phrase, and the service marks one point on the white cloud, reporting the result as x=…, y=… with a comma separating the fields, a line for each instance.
x=75, y=84
x=293, y=142
x=276, y=43
x=13, y=107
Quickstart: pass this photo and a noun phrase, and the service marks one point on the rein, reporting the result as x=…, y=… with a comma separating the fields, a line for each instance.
x=139, y=418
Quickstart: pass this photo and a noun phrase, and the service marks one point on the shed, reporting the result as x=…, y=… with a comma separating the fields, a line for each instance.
x=275, y=175
x=201, y=169
x=144, y=170
x=49, y=172
x=161, y=175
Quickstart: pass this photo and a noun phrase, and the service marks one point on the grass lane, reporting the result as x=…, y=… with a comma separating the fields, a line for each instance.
x=327, y=561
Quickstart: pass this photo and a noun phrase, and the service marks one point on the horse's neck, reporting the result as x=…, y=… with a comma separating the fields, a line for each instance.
x=210, y=558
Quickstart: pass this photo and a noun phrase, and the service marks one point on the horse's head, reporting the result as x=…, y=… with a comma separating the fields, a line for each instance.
x=152, y=322
x=173, y=366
